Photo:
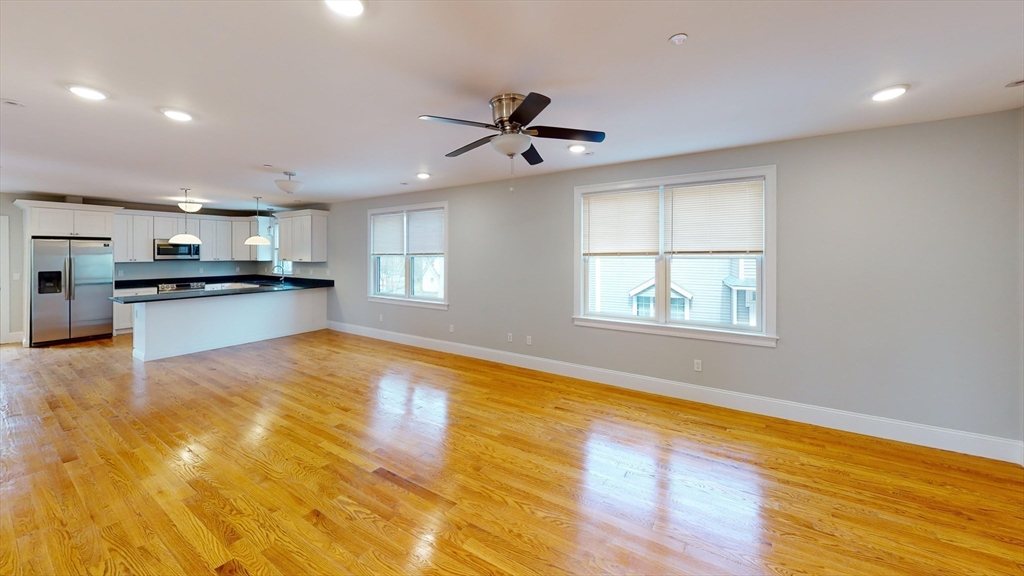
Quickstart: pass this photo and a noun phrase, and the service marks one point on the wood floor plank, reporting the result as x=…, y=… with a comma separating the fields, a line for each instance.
x=326, y=453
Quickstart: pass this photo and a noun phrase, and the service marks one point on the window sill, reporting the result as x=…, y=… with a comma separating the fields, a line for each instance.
x=677, y=331
x=407, y=302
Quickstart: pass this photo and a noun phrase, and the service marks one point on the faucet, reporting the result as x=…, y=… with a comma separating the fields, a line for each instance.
x=281, y=266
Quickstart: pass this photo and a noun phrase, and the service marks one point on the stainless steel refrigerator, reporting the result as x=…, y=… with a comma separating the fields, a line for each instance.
x=72, y=281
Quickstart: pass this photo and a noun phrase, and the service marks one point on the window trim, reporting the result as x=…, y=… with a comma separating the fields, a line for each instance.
x=767, y=300
x=371, y=296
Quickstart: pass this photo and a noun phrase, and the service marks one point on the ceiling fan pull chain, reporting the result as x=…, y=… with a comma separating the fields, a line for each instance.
x=512, y=161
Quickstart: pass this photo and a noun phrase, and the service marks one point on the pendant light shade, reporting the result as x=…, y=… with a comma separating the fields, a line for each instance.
x=290, y=186
x=186, y=238
x=256, y=239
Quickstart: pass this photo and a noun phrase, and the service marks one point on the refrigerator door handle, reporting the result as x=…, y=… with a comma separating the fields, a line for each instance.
x=67, y=266
x=71, y=278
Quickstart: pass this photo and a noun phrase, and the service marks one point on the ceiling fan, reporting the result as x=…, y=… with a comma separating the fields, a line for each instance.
x=512, y=113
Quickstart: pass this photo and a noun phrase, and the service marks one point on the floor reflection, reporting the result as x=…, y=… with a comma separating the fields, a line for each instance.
x=410, y=415
x=676, y=488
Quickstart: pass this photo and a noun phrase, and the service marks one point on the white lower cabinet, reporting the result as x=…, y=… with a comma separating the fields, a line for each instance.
x=123, y=317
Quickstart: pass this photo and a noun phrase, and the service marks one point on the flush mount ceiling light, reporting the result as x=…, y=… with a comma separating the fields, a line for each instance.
x=890, y=92
x=346, y=8
x=678, y=39
x=176, y=115
x=577, y=148
x=256, y=239
x=86, y=92
x=423, y=175
x=290, y=186
x=185, y=238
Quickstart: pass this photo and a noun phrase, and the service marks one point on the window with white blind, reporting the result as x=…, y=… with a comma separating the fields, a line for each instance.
x=408, y=246
x=689, y=255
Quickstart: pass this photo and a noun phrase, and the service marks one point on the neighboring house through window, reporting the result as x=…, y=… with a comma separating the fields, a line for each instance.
x=408, y=249
x=689, y=255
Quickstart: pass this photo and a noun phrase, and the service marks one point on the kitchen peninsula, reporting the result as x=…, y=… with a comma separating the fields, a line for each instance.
x=205, y=317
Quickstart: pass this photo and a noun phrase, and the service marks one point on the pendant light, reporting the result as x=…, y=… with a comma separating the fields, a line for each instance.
x=256, y=239
x=186, y=238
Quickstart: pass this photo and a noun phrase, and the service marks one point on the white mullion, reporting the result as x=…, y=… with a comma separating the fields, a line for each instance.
x=662, y=292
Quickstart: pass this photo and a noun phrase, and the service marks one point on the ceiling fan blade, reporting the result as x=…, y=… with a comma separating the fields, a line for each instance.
x=469, y=147
x=566, y=133
x=532, y=105
x=531, y=156
x=463, y=122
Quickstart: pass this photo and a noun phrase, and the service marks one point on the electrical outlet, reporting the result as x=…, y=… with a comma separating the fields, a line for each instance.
x=451, y=328
x=509, y=336
x=381, y=317
x=327, y=272
x=17, y=275
x=237, y=268
x=697, y=366
x=311, y=271
x=119, y=273
x=200, y=270
x=529, y=340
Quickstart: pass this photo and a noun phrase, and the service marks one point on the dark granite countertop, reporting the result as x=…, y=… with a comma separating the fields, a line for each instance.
x=261, y=284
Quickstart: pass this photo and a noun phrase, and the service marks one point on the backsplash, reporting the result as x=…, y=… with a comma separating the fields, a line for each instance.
x=179, y=269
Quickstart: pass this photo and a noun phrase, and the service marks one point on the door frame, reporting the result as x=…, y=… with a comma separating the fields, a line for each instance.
x=5, y=281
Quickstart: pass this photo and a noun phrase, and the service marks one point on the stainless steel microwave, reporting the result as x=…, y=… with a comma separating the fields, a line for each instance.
x=164, y=250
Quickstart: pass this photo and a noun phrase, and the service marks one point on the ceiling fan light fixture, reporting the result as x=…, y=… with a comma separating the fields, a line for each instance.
x=346, y=8
x=510, y=144
x=290, y=186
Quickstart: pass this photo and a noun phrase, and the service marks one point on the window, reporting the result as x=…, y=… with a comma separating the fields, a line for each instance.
x=685, y=256
x=286, y=265
x=408, y=246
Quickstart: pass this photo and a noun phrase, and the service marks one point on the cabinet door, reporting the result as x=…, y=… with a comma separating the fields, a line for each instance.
x=208, y=234
x=261, y=253
x=302, y=238
x=190, y=226
x=142, y=239
x=164, y=226
x=122, y=239
x=52, y=222
x=239, y=234
x=223, y=240
x=94, y=224
x=284, y=238
x=122, y=316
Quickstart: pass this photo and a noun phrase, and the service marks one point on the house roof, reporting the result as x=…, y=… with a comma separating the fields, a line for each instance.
x=295, y=86
x=736, y=284
x=650, y=283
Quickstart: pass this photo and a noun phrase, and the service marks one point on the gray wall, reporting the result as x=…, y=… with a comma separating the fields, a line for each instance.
x=865, y=220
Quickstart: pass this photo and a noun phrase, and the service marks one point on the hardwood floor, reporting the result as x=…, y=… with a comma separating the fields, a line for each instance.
x=326, y=453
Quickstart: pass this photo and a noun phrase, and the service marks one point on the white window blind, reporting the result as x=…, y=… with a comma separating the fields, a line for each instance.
x=621, y=223
x=719, y=218
x=426, y=232
x=388, y=234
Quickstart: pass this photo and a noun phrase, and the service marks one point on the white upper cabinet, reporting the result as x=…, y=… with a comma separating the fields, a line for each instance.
x=239, y=234
x=166, y=226
x=216, y=237
x=303, y=236
x=59, y=219
x=133, y=238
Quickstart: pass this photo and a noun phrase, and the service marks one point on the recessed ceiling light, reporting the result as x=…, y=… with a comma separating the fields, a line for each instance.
x=890, y=93
x=577, y=148
x=1015, y=84
x=87, y=93
x=678, y=39
x=268, y=165
x=347, y=8
x=177, y=115
x=423, y=175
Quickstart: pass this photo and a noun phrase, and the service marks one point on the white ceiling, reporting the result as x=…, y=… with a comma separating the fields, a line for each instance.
x=294, y=85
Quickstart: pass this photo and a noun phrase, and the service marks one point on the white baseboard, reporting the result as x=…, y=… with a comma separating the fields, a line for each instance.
x=12, y=337
x=902, y=431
